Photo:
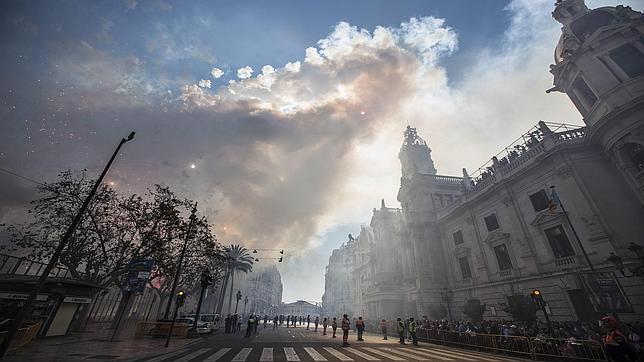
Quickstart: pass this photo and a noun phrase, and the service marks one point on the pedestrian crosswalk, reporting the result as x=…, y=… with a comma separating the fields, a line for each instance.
x=324, y=353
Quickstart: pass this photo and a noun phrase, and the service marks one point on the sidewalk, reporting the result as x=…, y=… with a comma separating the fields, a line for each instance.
x=94, y=345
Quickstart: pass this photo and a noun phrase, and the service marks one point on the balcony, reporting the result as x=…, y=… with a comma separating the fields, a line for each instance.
x=566, y=262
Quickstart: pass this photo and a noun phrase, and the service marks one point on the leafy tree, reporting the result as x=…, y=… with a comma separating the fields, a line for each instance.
x=521, y=308
x=474, y=309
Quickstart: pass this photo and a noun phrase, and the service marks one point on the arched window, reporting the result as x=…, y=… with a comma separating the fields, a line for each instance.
x=636, y=153
x=629, y=59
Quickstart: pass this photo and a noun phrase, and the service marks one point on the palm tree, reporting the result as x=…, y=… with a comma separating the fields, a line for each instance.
x=239, y=260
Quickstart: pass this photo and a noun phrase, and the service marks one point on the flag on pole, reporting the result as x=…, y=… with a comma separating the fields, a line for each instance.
x=553, y=202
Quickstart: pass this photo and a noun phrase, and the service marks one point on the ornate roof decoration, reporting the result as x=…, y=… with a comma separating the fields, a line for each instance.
x=412, y=138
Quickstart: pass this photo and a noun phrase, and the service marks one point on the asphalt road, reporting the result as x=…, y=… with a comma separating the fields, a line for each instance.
x=298, y=344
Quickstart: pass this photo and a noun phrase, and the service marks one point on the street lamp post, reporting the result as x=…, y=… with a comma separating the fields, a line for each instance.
x=206, y=280
x=26, y=308
x=245, y=302
x=239, y=296
x=447, y=297
x=183, y=254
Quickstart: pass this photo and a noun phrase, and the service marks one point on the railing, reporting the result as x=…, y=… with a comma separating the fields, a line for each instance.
x=10, y=264
x=24, y=335
x=569, y=260
x=519, y=346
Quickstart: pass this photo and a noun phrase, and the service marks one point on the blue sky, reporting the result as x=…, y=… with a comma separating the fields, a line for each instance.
x=295, y=155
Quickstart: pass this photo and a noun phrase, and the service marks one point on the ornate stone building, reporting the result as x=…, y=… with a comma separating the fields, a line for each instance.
x=547, y=213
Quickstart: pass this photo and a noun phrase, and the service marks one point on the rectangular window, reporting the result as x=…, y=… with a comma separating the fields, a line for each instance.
x=458, y=237
x=465, y=267
x=539, y=200
x=630, y=59
x=491, y=223
x=583, y=91
x=559, y=242
x=503, y=257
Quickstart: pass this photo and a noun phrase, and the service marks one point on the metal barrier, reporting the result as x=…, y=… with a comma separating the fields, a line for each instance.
x=527, y=347
x=24, y=335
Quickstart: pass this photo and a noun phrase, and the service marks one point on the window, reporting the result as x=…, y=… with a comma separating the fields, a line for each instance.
x=465, y=267
x=458, y=237
x=583, y=91
x=559, y=242
x=503, y=257
x=630, y=59
x=491, y=223
x=539, y=200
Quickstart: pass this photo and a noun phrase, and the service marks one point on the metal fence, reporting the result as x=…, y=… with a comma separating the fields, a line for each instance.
x=521, y=346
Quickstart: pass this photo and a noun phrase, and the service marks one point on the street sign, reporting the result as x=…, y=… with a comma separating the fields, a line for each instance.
x=22, y=296
x=138, y=274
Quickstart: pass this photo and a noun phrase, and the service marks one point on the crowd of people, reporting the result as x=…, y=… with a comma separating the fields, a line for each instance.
x=619, y=340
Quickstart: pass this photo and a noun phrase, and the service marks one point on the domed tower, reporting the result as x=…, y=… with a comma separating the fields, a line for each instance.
x=599, y=64
x=415, y=156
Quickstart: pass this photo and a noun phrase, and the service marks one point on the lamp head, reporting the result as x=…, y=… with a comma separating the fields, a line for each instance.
x=131, y=136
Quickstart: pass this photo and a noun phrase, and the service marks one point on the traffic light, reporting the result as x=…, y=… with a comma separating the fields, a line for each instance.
x=536, y=296
x=181, y=298
x=280, y=260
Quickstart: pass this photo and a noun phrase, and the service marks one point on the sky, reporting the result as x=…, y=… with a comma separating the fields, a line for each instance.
x=283, y=119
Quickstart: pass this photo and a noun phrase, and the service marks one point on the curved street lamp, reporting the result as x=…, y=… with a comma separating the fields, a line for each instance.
x=239, y=297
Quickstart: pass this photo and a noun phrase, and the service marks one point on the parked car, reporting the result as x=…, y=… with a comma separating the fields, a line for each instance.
x=212, y=319
x=202, y=327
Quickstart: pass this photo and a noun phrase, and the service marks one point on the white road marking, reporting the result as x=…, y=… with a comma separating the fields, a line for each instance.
x=193, y=355
x=453, y=354
x=267, y=354
x=290, y=354
x=337, y=354
x=314, y=354
x=362, y=354
x=167, y=355
x=414, y=356
x=242, y=355
x=487, y=357
x=439, y=355
x=383, y=354
x=217, y=355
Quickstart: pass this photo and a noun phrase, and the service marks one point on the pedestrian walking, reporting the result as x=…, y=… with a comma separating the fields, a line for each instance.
x=325, y=323
x=239, y=323
x=288, y=318
x=256, y=324
x=227, y=324
x=383, y=329
x=412, y=331
x=265, y=320
x=334, y=326
x=308, y=321
x=249, y=327
x=360, y=328
x=275, y=321
x=400, y=328
x=317, y=321
x=346, y=325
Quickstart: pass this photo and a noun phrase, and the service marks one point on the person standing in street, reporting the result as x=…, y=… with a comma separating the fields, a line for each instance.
x=265, y=320
x=317, y=321
x=308, y=321
x=249, y=326
x=256, y=324
x=360, y=328
x=334, y=326
x=346, y=325
x=400, y=328
x=412, y=331
x=383, y=329
x=325, y=323
x=275, y=320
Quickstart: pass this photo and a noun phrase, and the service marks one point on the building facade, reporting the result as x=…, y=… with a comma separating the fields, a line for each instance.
x=555, y=211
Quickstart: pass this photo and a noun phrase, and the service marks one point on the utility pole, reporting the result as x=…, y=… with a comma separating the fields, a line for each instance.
x=183, y=253
x=26, y=308
x=239, y=296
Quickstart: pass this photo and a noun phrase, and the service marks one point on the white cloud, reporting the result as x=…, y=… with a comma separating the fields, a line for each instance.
x=204, y=83
x=293, y=66
x=245, y=72
x=216, y=73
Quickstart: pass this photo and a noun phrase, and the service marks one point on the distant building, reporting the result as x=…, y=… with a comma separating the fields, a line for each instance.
x=300, y=308
x=501, y=232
